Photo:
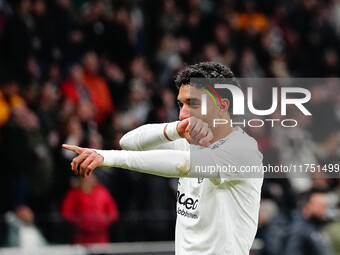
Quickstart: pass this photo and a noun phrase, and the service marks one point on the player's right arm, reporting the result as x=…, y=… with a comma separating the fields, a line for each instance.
x=139, y=154
x=150, y=137
x=161, y=136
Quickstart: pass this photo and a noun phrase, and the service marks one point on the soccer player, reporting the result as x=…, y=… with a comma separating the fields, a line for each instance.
x=217, y=211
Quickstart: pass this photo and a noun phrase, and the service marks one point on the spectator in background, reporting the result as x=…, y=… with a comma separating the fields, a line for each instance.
x=250, y=19
x=78, y=100
x=170, y=18
x=69, y=37
x=163, y=107
x=5, y=11
x=90, y=208
x=140, y=69
x=21, y=229
x=296, y=146
x=115, y=77
x=53, y=75
x=28, y=179
x=96, y=16
x=43, y=33
x=273, y=228
x=48, y=113
x=268, y=211
x=120, y=36
x=74, y=89
x=168, y=59
x=138, y=105
x=333, y=232
x=305, y=236
x=249, y=66
x=98, y=87
x=9, y=98
x=18, y=39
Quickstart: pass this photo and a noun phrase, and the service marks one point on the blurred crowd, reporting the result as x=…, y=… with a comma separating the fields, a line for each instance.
x=85, y=72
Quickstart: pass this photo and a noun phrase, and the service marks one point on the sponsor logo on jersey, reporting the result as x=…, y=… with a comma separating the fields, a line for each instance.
x=188, y=202
x=187, y=214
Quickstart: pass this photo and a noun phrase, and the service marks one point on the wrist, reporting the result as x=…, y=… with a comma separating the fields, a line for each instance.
x=108, y=159
x=170, y=131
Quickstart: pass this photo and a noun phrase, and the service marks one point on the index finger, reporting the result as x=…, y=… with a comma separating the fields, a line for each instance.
x=73, y=148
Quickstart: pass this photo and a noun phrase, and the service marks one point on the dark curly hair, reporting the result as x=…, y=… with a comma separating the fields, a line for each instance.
x=210, y=72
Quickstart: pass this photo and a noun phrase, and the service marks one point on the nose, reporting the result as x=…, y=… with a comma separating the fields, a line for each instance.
x=184, y=112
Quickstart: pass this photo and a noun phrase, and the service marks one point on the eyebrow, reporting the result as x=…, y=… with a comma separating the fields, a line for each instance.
x=190, y=100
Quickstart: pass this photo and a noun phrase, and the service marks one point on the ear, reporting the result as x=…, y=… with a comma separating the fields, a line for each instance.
x=225, y=105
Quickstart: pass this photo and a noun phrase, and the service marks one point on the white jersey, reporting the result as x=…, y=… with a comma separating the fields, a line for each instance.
x=217, y=213
x=220, y=216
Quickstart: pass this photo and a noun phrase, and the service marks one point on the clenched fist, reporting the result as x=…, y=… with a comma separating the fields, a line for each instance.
x=195, y=131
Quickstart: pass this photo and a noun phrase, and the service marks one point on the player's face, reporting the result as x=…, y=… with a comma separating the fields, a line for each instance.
x=189, y=102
